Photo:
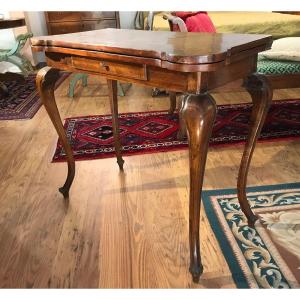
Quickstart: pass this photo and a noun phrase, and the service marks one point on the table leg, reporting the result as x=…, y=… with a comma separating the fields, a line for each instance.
x=172, y=102
x=261, y=93
x=45, y=82
x=182, y=127
x=113, y=96
x=199, y=113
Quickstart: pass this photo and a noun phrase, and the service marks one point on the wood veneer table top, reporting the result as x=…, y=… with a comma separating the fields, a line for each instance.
x=177, y=47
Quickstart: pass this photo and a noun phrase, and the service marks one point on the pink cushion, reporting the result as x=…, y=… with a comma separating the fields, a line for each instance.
x=195, y=21
x=184, y=14
x=200, y=23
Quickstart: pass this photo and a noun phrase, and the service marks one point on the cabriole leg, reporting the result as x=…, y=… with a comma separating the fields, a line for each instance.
x=45, y=81
x=182, y=127
x=172, y=102
x=261, y=93
x=199, y=113
x=113, y=96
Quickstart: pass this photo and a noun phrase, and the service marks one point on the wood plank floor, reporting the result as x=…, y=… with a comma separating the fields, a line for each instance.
x=118, y=230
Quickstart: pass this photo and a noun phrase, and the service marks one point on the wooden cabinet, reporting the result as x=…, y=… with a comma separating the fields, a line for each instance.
x=60, y=22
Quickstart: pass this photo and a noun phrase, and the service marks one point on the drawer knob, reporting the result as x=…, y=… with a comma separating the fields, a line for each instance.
x=104, y=65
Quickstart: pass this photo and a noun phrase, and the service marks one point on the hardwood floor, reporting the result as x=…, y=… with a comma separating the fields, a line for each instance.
x=119, y=230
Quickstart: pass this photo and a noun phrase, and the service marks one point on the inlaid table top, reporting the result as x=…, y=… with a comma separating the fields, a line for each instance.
x=175, y=47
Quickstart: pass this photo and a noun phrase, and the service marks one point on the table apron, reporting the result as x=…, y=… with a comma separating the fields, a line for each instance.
x=154, y=76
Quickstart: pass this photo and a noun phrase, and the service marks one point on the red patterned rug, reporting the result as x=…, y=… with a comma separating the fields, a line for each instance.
x=22, y=101
x=91, y=137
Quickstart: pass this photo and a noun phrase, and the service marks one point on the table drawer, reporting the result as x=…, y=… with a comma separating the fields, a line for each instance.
x=128, y=70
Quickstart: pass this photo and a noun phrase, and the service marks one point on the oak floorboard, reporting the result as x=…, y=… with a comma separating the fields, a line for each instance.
x=118, y=230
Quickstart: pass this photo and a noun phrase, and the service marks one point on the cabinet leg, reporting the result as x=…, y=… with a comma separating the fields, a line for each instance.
x=113, y=96
x=261, y=94
x=199, y=113
x=45, y=82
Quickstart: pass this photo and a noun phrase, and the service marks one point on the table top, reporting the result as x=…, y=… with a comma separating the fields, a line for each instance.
x=176, y=47
x=11, y=23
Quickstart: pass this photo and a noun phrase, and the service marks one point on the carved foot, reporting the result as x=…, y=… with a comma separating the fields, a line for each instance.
x=196, y=271
x=120, y=162
x=64, y=191
x=251, y=220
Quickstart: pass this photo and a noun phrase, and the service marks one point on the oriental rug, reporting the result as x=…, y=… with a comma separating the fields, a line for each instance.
x=268, y=255
x=91, y=137
x=22, y=101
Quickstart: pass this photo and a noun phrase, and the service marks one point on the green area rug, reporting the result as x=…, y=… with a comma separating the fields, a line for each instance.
x=269, y=255
x=277, y=67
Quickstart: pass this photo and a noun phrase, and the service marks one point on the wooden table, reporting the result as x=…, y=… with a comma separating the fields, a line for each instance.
x=11, y=23
x=192, y=63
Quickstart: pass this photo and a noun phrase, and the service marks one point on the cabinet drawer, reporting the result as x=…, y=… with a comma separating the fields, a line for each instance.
x=67, y=27
x=63, y=16
x=70, y=27
x=128, y=70
x=99, y=24
x=98, y=15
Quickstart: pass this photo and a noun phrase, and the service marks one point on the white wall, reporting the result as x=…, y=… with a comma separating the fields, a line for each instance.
x=36, y=24
x=7, y=40
x=127, y=19
x=7, y=37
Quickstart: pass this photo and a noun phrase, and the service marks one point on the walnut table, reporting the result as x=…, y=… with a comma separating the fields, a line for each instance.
x=192, y=63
